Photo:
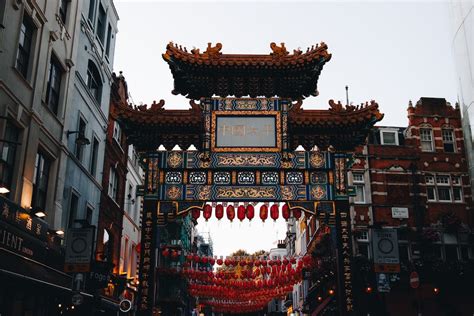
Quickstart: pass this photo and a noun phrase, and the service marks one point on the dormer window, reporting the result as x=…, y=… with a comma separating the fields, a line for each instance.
x=389, y=137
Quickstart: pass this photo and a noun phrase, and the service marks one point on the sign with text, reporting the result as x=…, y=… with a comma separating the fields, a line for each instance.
x=246, y=131
x=385, y=246
x=19, y=217
x=79, y=249
x=399, y=212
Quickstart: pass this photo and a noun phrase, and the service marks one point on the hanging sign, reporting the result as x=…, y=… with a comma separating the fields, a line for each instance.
x=79, y=249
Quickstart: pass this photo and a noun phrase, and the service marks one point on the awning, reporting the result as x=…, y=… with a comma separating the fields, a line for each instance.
x=321, y=306
x=17, y=266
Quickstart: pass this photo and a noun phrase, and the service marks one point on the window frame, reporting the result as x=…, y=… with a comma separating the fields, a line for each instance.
x=447, y=141
x=101, y=24
x=54, y=66
x=94, y=156
x=426, y=141
x=63, y=10
x=8, y=153
x=389, y=131
x=24, y=54
x=72, y=213
x=113, y=184
x=94, y=81
x=40, y=183
x=437, y=182
x=359, y=185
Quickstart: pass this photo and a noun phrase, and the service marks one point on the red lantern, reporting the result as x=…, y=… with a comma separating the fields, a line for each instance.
x=274, y=212
x=241, y=212
x=250, y=212
x=220, y=261
x=196, y=213
x=165, y=252
x=219, y=211
x=285, y=212
x=230, y=212
x=204, y=260
x=296, y=213
x=174, y=254
x=207, y=212
x=263, y=212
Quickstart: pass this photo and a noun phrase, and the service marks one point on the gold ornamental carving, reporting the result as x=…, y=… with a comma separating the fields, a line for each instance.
x=246, y=192
x=318, y=192
x=317, y=160
x=287, y=193
x=246, y=160
x=174, y=193
x=204, y=192
x=175, y=159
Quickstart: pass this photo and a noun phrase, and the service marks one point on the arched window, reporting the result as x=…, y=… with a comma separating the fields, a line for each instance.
x=94, y=81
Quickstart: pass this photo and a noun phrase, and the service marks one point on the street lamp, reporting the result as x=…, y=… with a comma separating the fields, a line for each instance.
x=81, y=140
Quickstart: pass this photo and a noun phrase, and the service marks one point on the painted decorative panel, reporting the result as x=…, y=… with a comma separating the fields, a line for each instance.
x=293, y=177
x=246, y=177
x=270, y=177
x=222, y=177
x=197, y=177
x=173, y=177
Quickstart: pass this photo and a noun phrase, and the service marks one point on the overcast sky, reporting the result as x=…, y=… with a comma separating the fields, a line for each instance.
x=391, y=52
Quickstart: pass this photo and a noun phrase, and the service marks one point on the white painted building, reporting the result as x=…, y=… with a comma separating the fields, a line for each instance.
x=129, y=257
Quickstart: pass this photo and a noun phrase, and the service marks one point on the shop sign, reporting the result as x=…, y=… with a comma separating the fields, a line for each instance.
x=19, y=242
x=17, y=216
x=99, y=276
x=77, y=299
x=399, y=212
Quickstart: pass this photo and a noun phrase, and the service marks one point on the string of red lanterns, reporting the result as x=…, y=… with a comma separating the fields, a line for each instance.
x=246, y=211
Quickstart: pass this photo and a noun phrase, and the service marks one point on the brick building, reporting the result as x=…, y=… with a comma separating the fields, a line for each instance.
x=415, y=179
x=113, y=183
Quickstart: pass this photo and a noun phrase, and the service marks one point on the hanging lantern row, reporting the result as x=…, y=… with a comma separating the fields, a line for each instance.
x=243, y=261
x=174, y=254
x=247, y=211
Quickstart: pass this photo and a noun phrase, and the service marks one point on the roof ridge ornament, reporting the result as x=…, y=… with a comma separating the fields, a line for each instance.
x=279, y=51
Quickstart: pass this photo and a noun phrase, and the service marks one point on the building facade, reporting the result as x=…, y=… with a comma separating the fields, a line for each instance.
x=414, y=180
x=86, y=121
x=56, y=61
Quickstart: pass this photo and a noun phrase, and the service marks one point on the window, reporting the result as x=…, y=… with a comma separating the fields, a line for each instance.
x=7, y=154
x=73, y=204
x=101, y=24
x=389, y=137
x=40, y=182
x=451, y=252
x=448, y=140
x=445, y=189
x=94, y=82
x=54, y=85
x=95, y=152
x=108, y=245
x=113, y=184
x=117, y=133
x=89, y=214
x=125, y=255
x=426, y=139
x=79, y=147
x=63, y=10
x=109, y=37
x=358, y=180
x=25, y=45
x=91, y=11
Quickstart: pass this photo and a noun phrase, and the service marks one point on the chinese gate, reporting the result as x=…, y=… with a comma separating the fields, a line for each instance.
x=245, y=146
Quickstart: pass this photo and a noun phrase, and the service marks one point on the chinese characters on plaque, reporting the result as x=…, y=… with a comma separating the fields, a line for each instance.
x=246, y=131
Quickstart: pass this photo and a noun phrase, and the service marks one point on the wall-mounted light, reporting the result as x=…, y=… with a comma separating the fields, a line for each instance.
x=60, y=232
x=81, y=140
x=3, y=189
x=40, y=214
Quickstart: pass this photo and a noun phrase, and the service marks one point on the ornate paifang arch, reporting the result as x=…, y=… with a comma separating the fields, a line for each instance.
x=246, y=146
